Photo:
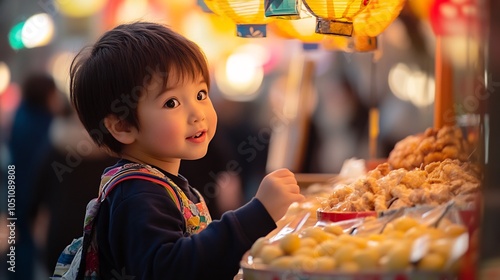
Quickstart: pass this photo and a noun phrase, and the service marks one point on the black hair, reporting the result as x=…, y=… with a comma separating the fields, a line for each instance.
x=110, y=76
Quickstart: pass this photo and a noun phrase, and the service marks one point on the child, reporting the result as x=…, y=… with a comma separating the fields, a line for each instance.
x=142, y=92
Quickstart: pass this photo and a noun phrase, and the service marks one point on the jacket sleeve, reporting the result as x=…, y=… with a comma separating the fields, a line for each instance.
x=146, y=238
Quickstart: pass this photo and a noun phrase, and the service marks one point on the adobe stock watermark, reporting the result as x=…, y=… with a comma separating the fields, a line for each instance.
x=249, y=149
x=485, y=86
x=11, y=218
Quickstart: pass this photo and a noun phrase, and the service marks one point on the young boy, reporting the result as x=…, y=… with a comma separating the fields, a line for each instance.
x=142, y=92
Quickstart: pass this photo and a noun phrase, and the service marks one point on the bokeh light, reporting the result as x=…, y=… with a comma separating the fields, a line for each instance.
x=59, y=68
x=38, y=31
x=240, y=76
x=117, y=12
x=132, y=10
x=455, y=17
x=411, y=85
x=16, y=37
x=208, y=31
x=9, y=101
x=4, y=76
x=80, y=8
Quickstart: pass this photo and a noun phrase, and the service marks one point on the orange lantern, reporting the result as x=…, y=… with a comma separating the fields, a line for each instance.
x=377, y=16
x=248, y=15
x=335, y=16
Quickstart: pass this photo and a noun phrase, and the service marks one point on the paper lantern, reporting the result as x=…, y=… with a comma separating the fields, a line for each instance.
x=350, y=44
x=335, y=16
x=454, y=17
x=301, y=29
x=248, y=15
x=284, y=9
x=377, y=16
x=293, y=21
x=203, y=6
x=210, y=30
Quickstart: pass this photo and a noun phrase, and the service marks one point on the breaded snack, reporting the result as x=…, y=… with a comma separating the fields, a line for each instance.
x=437, y=183
x=417, y=151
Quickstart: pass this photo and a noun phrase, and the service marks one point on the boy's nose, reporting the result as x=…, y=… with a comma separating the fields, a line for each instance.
x=196, y=116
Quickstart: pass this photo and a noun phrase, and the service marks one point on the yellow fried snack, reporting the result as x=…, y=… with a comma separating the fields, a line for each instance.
x=269, y=253
x=404, y=223
x=432, y=261
x=314, y=249
x=325, y=263
x=290, y=243
x=334, y=229
x=397, y=258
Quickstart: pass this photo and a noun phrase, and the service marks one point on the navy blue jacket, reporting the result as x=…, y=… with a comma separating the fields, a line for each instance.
x=140, y=234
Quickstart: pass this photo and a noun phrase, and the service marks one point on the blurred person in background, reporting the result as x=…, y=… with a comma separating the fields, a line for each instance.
x=68, y=174
x=40, y=102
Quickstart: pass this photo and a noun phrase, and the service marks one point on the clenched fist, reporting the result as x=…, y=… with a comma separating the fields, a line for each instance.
x=277, y=191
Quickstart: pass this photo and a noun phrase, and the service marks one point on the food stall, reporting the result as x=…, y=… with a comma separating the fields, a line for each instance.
x=413, y=215
x=425, y=209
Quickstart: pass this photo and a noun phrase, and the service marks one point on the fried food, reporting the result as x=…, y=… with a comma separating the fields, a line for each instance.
x=416, y=151
x=435, y=184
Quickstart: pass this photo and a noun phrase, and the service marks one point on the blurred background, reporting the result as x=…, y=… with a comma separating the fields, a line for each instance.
x=285, y=97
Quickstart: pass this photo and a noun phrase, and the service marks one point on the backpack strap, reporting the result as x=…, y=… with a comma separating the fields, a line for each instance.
x=143, y=176
x=90, y=257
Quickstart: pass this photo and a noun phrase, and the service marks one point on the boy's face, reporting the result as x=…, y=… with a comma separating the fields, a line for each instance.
x=176, y=123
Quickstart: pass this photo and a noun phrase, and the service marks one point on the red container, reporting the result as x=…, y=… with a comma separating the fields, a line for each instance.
x=336, y=216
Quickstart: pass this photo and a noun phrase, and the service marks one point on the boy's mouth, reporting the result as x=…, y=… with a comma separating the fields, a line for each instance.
x=197, y=135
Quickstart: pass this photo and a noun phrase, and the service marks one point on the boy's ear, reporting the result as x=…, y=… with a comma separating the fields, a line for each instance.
x=121, y=130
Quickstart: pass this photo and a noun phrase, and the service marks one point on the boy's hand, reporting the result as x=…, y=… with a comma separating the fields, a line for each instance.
x=277, y=191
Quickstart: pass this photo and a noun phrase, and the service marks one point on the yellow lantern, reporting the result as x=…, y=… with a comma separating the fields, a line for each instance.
x=301, y=29
x=350, y=44
x=293, y=21
x=335, y=16
x=377, y=16
x=248, y=15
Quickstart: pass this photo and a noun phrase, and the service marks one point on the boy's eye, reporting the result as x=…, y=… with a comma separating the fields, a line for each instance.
x=202, y=95
x=172, y=103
